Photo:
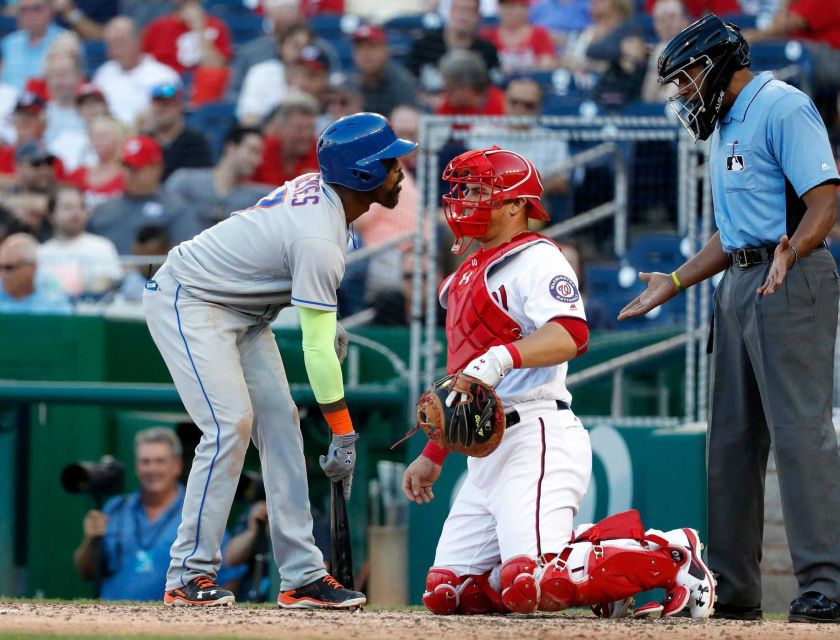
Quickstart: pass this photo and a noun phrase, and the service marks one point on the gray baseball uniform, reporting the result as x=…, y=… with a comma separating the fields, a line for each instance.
x=209, y=310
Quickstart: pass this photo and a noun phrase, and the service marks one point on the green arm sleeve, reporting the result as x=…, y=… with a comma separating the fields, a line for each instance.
x=319, y=357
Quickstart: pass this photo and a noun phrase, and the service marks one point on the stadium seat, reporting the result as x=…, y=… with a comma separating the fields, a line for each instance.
x=330, y=26
x=244, y=26
x=788, y=59
x=569, y=105
x=226, y=6
x=214, y=119
x=656, y=252
x=834, y=249
x=95, y=56
x=741, y=20
x=646, y=109
x=645, y=23
x=7, y=25
x=414, y=23
x=399, y=44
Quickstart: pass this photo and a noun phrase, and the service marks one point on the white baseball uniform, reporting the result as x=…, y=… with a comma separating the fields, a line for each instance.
x=209, y=310
x=520, y=500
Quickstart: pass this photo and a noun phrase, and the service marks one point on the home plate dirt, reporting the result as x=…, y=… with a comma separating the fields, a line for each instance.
x=257, y=622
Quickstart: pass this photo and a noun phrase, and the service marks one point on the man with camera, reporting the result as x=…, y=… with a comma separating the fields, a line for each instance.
x=126, y=544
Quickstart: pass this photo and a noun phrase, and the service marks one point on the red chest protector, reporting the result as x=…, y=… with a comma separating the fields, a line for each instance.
x=475, y=320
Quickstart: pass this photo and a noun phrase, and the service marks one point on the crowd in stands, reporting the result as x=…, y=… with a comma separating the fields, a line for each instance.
x=127, y=126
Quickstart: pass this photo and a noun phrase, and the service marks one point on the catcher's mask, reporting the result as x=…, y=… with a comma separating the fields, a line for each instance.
x=483, y=180
x=700, y=61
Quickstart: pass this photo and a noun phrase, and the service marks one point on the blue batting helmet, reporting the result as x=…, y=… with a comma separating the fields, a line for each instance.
x=349, y=151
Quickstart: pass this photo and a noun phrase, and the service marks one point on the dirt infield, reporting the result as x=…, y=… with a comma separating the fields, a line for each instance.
x=264, y=622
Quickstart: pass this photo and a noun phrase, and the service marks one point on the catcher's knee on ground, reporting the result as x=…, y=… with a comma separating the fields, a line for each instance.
x=519, y=586
x=447, y=593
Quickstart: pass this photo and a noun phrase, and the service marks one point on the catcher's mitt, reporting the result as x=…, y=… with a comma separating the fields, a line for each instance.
x=474, y=427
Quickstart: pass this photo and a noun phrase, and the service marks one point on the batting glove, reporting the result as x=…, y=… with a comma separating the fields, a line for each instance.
x=490, y=368
x=340, y=460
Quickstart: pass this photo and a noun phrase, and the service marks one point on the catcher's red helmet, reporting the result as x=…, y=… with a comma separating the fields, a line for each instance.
x=508, y=176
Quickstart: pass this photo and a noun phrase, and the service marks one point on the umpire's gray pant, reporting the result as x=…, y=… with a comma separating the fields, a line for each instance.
x=774, y=365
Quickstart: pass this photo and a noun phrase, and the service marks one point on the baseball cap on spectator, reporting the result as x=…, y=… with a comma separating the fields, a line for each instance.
x=369, y=33
x=141, y=151
x=33, y=152
x=341, y=83
x=89, y=90
x=166, y=91
x=314, y=58
x=30, y=103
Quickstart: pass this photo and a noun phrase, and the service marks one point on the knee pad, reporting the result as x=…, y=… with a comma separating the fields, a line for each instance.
x=519, y=586
x=441, y=595
x=477, y=595
x=447, y=593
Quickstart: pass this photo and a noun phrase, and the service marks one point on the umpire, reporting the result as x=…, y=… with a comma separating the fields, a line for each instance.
x=773, y=184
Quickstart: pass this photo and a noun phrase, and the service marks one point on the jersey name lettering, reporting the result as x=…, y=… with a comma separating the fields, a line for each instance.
x=304, y=193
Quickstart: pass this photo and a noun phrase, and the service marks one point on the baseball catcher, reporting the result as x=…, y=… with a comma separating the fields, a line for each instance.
x=514, y=319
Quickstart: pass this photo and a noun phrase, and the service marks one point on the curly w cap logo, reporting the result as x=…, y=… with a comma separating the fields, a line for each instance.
x=562, y=288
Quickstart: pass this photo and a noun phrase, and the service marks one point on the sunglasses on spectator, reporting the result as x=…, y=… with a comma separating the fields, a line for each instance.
x=166, y=91
x=12, y=266
x=524, y=104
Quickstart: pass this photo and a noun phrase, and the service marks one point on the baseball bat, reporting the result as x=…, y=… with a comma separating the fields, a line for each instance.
x=342, y=559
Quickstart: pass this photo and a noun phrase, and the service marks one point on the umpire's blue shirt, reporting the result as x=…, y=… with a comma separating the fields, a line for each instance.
x=136, y=551
x=770, y=149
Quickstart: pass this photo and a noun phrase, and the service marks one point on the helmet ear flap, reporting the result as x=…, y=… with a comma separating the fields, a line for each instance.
x=364, y=176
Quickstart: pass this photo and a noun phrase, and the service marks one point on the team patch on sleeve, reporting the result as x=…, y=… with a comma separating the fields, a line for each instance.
x=562, y=288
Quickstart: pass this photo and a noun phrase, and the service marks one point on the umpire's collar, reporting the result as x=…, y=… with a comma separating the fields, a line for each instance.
x=745, y=98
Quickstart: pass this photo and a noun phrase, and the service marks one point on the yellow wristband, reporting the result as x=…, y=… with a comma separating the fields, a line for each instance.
x=677, y=281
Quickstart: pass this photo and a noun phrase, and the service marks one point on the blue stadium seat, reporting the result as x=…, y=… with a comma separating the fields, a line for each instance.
x=646, y=109
x=214, y=119
x=834, y=249
x=605, y=283
x=787, y=55
x=417, y=22
x=399, y=44
x=95, y=56
x=223, y=8
x=741, y=20
x=327, y=25
x=656, y=252
x=343, y=47
x=645, y=23
x=7, y=25
x=244, y=27
x=569, y=105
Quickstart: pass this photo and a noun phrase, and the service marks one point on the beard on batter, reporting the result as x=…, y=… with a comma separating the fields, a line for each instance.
x=388, y=198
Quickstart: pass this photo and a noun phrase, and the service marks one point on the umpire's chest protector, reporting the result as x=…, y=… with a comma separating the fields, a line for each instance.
x=476, y=320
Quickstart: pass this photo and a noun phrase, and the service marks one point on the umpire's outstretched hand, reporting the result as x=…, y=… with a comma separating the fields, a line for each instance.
x=783, y=260
x=660, y=289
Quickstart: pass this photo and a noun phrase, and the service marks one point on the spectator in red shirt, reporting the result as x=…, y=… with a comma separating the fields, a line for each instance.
x=104, y=180
x=289, y=141
x=521, y=45
x=467, y=87
x=697, y=8
x=817, y=24
x=190, y=39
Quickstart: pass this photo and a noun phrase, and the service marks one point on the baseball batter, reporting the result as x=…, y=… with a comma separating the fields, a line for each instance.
x=514, y=320
x=209, y=310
